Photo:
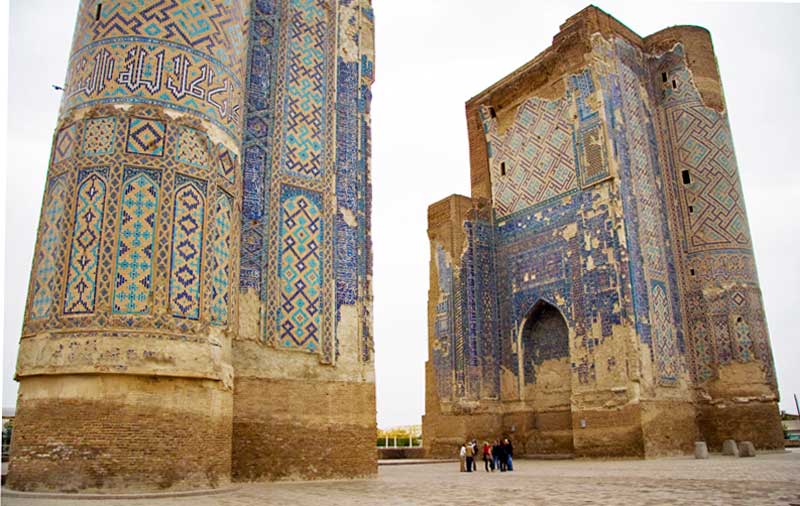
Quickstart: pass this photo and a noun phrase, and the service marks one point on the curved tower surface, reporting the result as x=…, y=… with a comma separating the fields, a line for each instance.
x=206, y=209
x=597, y=294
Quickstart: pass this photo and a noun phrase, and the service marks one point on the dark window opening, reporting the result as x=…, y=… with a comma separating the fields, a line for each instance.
x=98, y=11
x=685, y=176
x=663, y=77
x=691, y=271
x=739, y=320
x=691, y=209
x=492, y=113
x=502, y=168
x=674, y=84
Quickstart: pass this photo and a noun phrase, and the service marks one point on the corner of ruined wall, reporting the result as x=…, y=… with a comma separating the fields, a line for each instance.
x=700, y=58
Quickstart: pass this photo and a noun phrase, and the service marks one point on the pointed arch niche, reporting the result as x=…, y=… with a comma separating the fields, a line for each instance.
x=546, y=379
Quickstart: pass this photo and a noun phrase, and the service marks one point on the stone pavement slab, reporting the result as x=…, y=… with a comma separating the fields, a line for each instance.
x=767, y=479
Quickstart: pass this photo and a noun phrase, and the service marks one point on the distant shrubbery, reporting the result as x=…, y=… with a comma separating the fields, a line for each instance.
x=403, y=435
x=402, y=442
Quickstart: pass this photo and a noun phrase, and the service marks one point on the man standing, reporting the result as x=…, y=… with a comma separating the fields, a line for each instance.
x=508, y=450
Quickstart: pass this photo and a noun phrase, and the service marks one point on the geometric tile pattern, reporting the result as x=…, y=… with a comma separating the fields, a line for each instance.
x=703, y=146
x=187, y=249
x=99, y=136
x=744, y=343
x=65, y=143
x=133, y=279
x=221, y=261
x=227, y=163
x=442, y=326
x=146, y=137
x=646, y=212
x=476, y=337
x=214, y=28
x=192, y=147
x=79, y=296
x=305, y=83
x=301, y=236
x=258, y=142
x=48, y=258
x=591, y=157
x=666, y=352
x=164, y=53
x=537, y=154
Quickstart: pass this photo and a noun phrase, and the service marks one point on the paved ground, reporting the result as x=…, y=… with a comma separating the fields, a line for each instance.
x=766, y=479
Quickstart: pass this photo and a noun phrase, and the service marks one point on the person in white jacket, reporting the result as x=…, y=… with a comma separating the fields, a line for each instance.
x=463, y=458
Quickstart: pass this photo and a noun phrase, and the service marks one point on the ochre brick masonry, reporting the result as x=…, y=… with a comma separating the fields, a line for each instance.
x=595, y=296
x=131, y=433
x=303, y=430
x=204, y=255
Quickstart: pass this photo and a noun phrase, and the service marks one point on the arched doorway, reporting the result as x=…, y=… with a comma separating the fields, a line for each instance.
x=546, y=382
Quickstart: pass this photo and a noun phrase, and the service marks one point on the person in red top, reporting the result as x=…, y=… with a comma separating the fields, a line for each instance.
x=487, y=456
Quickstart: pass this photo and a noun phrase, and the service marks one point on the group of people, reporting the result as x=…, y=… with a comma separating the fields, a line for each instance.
x=496, y=456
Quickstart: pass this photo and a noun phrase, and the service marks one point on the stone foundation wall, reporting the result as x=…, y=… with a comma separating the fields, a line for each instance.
x=668, y=427
x=301, y=429
x=608, y=432
x=117, y=433
x=549, y=433
x=758, y=422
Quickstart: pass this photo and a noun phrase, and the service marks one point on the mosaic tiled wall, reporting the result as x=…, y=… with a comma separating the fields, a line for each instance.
x=175, y=53
x=443, y=347
x=126, y=228
x=534, y=161
x=557, y=253
x=725, y=314
x=640, y=251
x=655, y=289
x=316, y=63
x=125, y=236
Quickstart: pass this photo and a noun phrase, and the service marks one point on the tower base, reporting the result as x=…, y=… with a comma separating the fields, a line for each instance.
x=120, y=433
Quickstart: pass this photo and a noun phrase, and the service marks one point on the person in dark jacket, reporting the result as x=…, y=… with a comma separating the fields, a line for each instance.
x=495, y=455
x=508, y=452
x=501, y=457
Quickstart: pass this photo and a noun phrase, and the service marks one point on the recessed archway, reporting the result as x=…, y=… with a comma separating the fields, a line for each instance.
x=546, y=379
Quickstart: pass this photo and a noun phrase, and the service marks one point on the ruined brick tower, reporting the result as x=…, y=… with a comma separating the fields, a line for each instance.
x=200, y=297
x=597, y=294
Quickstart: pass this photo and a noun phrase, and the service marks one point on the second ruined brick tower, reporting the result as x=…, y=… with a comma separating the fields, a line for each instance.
x=597, y=293
x=200, y=297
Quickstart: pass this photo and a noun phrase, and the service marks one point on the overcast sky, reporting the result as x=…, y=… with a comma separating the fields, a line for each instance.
x=433, y=55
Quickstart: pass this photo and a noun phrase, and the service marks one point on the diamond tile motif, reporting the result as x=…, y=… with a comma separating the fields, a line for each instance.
x=85, y=250
x=146, y=137
x=65, y=143
x=221, y=261
x=187, y=249
x=226, y=166
x=301, y=236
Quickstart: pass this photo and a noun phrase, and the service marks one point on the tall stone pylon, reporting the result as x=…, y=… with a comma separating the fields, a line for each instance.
x=201, y=285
